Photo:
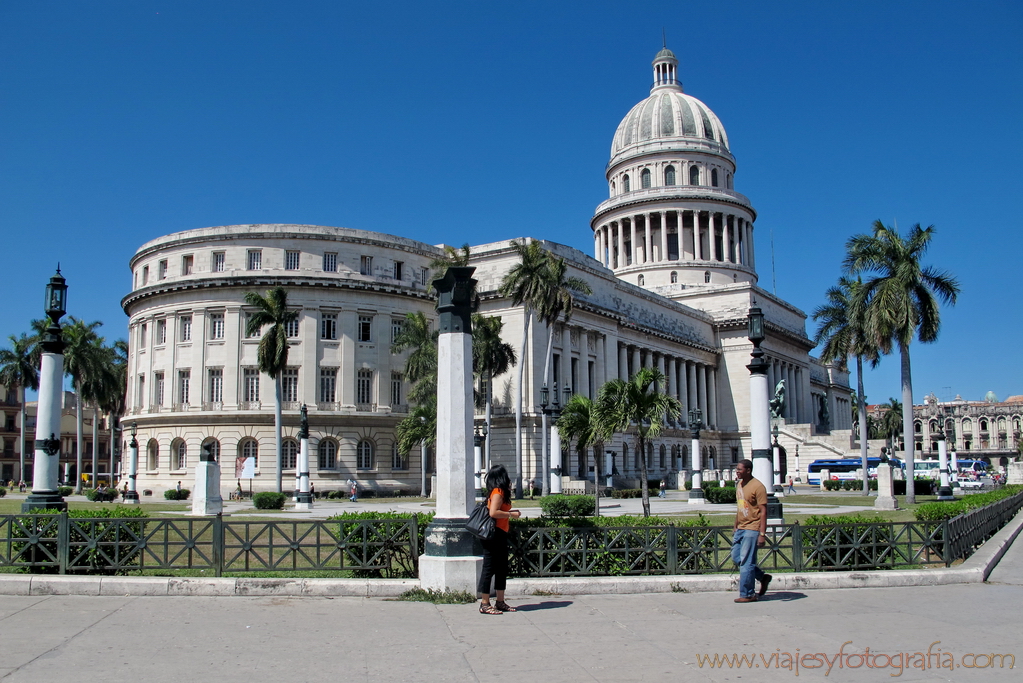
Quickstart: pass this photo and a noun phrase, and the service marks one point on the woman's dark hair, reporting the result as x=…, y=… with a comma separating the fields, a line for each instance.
x=497, y=478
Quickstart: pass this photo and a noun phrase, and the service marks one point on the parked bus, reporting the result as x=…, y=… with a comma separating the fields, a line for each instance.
x=844, y=468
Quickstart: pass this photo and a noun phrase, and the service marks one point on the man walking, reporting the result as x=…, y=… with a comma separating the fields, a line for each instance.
x=750, y=532
x=792, y=488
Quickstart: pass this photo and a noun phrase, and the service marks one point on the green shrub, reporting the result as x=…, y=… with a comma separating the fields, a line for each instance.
x=268, y=500
x=174, y=494
x=832, y=485
x=719, y=494
x=872, y=484
x=65, y=491
x=82, y=559
x=3, y=492
x=689, y=484
x=390, y=556
x=929, y=512
x=834, y=543
x=567, y=506
x=97, y=496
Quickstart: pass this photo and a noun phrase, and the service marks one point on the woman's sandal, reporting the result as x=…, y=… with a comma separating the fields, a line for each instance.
x=488, y=609
x=504, y=606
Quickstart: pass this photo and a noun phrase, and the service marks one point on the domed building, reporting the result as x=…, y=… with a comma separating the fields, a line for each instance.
x=672, y=277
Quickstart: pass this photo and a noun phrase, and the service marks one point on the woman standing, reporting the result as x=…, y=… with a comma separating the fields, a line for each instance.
x=495, y=550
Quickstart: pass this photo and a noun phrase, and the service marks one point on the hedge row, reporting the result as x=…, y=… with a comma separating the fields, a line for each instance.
x=938, y=511
x=567, y=506
x=174, y=494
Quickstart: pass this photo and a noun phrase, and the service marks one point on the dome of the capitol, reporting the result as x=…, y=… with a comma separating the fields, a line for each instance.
x=668, y=115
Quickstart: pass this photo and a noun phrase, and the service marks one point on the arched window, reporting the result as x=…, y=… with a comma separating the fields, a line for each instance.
x=644, y=178
x=663, y=456
x=327, y=455
x=625, y=456
x=179, y=454
x=685, y=458
x=674, y=277
x=614, y=188
x=694, y=175
x=1015, y=424
x=918, y=427
x=933, y=426
x=249, y=448
x=714, y=177
x=649, y=456
x=152, y=455
x=983, y=425
x=213, y=447
x=728, y=181
x=289, y=454
x=674, y=457
x=967, y=425
x=398, y=461
x=642, y=280
x=706, y=276
x=364, y=455
x=669, y=175
x=625, y=183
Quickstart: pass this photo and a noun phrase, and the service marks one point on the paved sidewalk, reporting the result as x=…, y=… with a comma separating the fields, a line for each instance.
x=595, y=638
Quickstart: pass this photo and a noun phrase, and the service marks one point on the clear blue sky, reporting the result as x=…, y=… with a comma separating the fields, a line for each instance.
x=470, y=122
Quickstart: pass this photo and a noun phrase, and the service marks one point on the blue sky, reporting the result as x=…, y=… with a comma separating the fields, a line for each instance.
x=126, y=120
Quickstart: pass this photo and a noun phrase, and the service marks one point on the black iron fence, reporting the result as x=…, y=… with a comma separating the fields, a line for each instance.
x=391, y=547
x=67, y=545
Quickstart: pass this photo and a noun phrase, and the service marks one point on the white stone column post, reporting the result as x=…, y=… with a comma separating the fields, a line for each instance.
x=303, y=497
x=449, y=562
x=131, y=496
x=944, y=490
x=556, y=463
x=696, y=496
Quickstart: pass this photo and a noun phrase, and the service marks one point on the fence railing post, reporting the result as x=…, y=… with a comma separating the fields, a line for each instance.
x=796, y=535
x=63, y=542
x=672, y=541
x=946, y=550
x=218, y=545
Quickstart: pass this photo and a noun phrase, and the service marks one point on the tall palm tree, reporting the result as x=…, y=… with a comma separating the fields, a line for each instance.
x=900, y=300
x=524, y=283
x=841, y=335
x=272, y=356
x=557, y=298
x=890, y=425
x=112, y=402
x=17, y=369
x=637, y=404
x=419, y=428
x=491, y=357
x=83, y=362
x=578, y=422
x=421, y=363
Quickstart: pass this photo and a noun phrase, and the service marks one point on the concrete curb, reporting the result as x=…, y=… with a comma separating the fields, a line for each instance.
x=974, y=570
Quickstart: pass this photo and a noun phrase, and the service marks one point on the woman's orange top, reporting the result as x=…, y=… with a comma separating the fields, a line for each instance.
x=501, y=522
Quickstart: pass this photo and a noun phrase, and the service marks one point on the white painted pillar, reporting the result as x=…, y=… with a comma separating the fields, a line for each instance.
x=696, y=492
x=302, y=470
x=46, y=467
x=556, y=464
x=663, y=215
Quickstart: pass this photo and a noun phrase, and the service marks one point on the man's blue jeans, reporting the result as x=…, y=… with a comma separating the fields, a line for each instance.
x=744, y=554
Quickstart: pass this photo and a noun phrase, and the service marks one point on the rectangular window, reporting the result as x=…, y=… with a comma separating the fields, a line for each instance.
x=158, y=388
x=216, y=385
x=161, y=331
x=396, y=386
x=424, y=275
x=330, y=262
x=216, y=325
x=291, y=329
x=161, y=269
x=184, y=378
x=328, y=326
x=186, y=264
x=142, y=336
x=397, y=325
x=250, y=385
x=291, y=260
x=364, y=387
x=366, y=265
x=140, y=397
x=219, y=259
x=399, y=269
x=365, y=328
x=328, y=384
x=255, y=259
x=185, y=322
x=289, y=385
x=245, y=327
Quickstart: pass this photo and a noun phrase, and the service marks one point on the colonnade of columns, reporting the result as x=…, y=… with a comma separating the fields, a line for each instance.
x=675, y=235
x=839, y=410
x=691, y=382
x=796, y=409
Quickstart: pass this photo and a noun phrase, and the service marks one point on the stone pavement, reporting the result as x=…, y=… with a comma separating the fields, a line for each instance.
x=605, y=638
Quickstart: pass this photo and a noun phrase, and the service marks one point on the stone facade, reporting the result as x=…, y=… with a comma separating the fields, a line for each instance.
x=673, y=279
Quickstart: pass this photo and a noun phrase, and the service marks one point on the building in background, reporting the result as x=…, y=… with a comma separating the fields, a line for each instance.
x=673, y=277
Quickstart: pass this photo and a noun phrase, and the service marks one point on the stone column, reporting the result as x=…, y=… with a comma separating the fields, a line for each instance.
x=694, y=399
x=623, y=362
x=701, y=390
x=672, y=380
x=712, y=396
x=664, y=235
x=633, y=243
x=750, y=247
x=449, y=562
x=636, y=362
x=603, y=364
x=696, y=493
x=619, y=261
x=647, y=238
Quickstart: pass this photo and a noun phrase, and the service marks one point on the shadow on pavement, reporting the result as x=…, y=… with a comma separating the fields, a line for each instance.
x=782, y=596
x=550, y=604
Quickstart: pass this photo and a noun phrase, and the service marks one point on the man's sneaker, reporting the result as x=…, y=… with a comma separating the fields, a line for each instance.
x=751, y=598
x=764, y=584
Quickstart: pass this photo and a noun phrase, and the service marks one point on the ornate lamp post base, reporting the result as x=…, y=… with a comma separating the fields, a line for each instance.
x=43, y=500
